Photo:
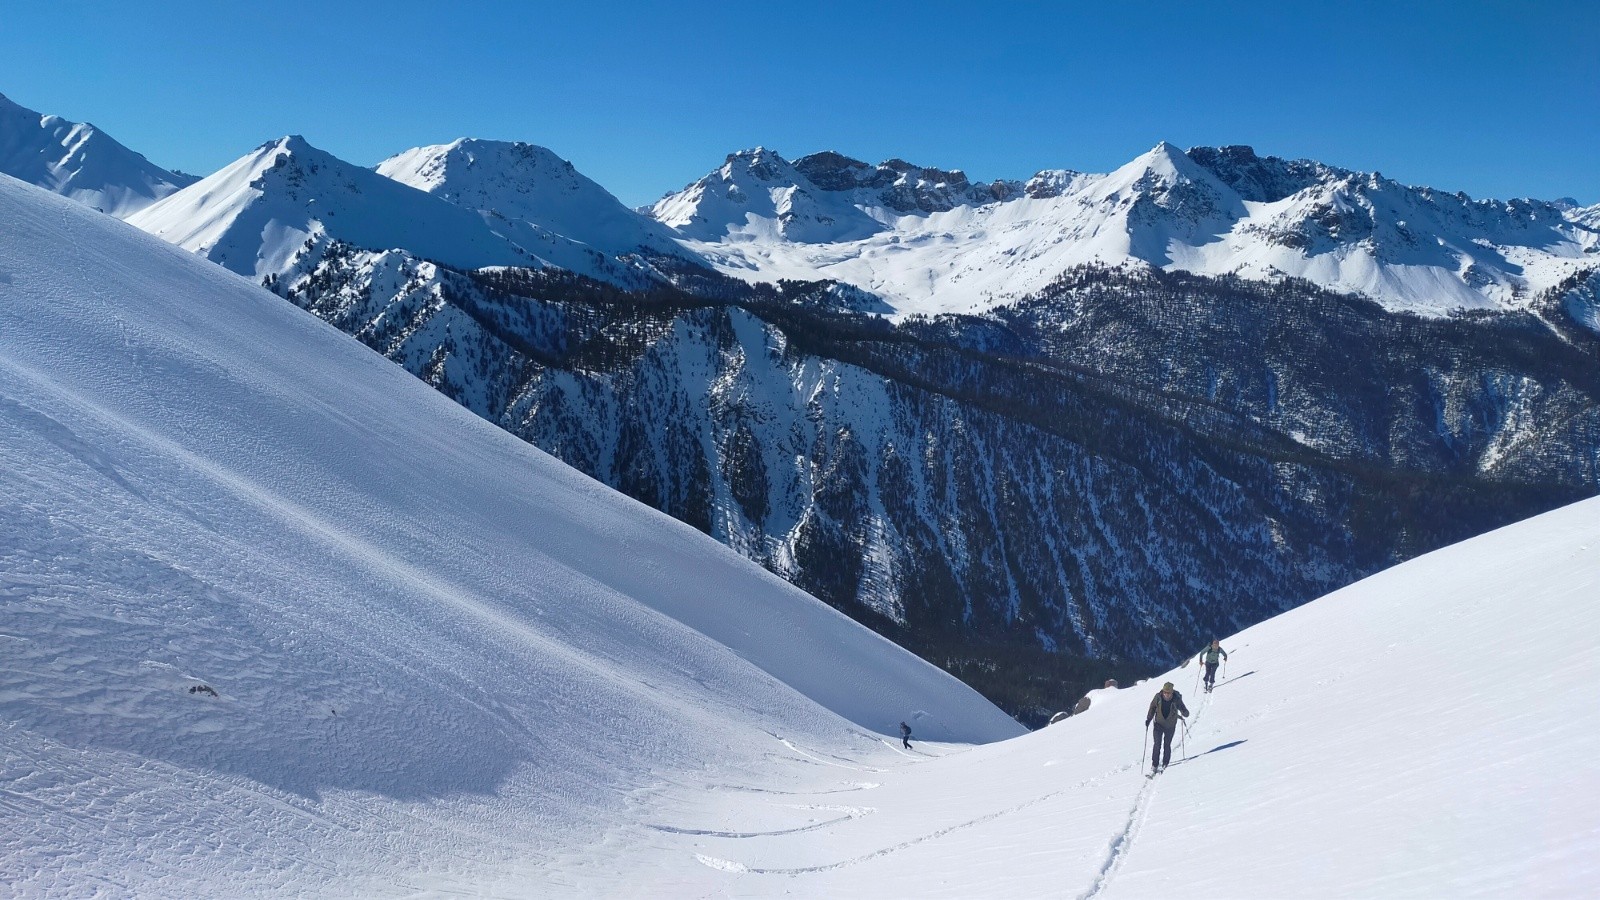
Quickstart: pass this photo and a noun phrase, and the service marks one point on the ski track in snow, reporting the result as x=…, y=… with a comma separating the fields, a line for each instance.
x=1122, y=843
x=855, y=787
x=850, y=812
x=727, y=865
x=1117, y=851
x=826, y=762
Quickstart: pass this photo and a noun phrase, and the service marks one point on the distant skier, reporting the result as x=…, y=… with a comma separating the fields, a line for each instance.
x=1209, y=656
x=1166, y=708
x=905, y=735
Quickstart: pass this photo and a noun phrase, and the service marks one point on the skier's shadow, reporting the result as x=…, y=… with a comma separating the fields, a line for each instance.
x=1228, y=746
x=1233, y=679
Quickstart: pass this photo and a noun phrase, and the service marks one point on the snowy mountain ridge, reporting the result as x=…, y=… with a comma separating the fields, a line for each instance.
x=257, y=214
x=470, y=205
x=918, y=239
x=537, y=199
x=80, y=161
x=1208, y=211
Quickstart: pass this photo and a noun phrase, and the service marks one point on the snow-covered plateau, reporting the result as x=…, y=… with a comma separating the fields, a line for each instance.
x=280, y=620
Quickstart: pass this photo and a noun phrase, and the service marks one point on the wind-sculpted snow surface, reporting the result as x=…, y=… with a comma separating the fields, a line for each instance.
x=1418, y=734
x=279, y=619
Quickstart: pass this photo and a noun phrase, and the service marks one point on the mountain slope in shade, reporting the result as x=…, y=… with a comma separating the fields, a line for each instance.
x=547, y=205
x=80, y=161
x=254, y=216
x=1213, y=211
x=280, y=619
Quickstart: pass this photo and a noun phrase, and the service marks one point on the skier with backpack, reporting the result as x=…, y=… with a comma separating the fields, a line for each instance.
x=905, y=735
x=1166, y=709
x=1209, y=657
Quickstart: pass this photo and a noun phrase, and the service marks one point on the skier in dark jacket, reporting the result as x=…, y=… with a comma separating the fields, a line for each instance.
x=905, y=735
x=1166, y=708
x=1209, y=657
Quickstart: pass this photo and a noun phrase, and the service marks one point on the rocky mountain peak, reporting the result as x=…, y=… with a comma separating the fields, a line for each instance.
x=758, y=163
x=1261, y=179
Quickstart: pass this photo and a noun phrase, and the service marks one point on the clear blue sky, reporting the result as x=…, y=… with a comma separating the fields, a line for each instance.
x=1498, y=99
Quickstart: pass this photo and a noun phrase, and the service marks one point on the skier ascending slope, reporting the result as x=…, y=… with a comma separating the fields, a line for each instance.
x=905, y=735
x=1166, y=708
x=1209, y=657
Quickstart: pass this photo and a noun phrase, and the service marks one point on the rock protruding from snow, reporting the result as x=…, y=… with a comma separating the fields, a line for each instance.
x=257, y=214
x=80, y=161
x=898, y=185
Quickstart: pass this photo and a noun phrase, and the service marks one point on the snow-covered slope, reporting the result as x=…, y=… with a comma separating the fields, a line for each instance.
x=1586, y=215
x=257, y=214
x=1423, y=733
x=279, y=619
x=538, y=199
x=79, y=161
x=1209, y=211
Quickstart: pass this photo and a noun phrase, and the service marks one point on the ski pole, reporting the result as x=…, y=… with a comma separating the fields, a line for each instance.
x=1184, y=749
x=1143, y=744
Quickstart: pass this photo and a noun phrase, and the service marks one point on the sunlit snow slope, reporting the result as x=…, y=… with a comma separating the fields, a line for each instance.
x=80, y=161
x=1427, y=732
x=286, y=196
x=441, y=661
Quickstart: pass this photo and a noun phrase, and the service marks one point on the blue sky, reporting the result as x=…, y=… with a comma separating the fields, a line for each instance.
x=1498, y=99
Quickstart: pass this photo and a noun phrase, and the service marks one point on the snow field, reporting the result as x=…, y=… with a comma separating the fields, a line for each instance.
x=1418, y=734
x=441, y=660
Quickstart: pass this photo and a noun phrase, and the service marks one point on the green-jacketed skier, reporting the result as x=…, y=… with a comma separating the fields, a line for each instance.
x=1209, y=657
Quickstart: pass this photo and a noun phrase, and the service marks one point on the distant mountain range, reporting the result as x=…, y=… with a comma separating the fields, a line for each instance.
x=1035, y=430
x=917, y=239
x=930, y=241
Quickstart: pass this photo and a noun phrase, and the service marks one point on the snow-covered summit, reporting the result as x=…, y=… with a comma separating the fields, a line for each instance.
x=255, y=214
x=529, y=185
x=758, y=195
x=1209, y=210
x=79, y=161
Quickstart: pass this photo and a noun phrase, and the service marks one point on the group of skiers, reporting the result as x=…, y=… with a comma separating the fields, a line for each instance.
x=1167, y=709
